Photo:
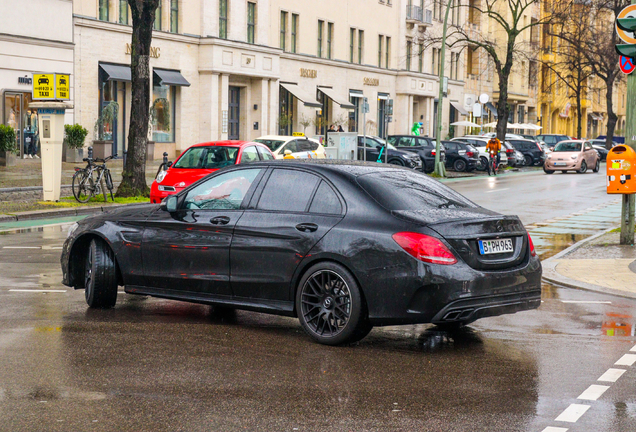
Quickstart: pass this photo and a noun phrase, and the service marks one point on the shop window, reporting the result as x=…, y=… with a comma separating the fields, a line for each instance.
x=223, y=19
x=162, y=113
x=294, y=32
x=123, y=12
x=157, y=23
x=174, y=16
x=251, y=21
x=103, y=10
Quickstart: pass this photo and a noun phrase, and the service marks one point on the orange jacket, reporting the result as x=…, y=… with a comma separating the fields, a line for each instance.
x=493, y=145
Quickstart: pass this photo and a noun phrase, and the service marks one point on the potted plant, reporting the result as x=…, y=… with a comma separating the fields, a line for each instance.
x=305, y=122
x=103, y=144
x=74, y=142
x=8, y=146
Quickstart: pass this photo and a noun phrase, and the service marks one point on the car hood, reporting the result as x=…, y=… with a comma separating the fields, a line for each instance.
x=175, y=176
x=564, y=155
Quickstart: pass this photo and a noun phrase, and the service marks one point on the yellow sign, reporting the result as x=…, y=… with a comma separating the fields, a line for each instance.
x=298, y=134
x=62, y=86
x=43, y=86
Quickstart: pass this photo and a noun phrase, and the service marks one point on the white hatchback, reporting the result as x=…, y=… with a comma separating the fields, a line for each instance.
x=298, y=147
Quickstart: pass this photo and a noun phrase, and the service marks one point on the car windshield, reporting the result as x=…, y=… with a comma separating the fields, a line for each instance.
x=273, y=144
x=401, y=190
x=565, y=146
x=207, y=157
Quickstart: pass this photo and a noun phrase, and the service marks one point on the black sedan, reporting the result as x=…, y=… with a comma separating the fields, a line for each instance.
x=342, y=246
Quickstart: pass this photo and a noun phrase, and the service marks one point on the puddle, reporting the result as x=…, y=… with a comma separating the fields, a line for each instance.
x=548, y=245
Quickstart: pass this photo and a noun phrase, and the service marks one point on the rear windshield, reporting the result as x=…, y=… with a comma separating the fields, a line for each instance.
x=271, y=143
x=407, y=190
x=207, y=157
x=567, y=147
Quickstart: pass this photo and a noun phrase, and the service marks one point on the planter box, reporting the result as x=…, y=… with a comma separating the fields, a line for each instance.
x=73, y=155
x=102, y=149
x=8, y=158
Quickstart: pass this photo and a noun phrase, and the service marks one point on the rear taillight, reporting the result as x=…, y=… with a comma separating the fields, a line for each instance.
x=425, y=248
x=532, y=251
x=470, y=154
x=509, y=150
x=433, y=152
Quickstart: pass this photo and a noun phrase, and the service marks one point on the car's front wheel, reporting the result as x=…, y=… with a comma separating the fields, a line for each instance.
x=583, y=168
x=459, y=165
x=330, y=306
x=100, y=276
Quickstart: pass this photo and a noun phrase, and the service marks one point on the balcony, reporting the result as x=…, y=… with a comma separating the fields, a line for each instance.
x=414, y=14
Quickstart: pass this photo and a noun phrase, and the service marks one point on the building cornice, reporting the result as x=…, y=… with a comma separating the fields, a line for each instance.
x=36, y=41
x=82, y=21
x=307, y=58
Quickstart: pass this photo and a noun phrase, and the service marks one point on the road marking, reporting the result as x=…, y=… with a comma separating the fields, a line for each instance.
x=593, y=392
x=626, y=360
x=554, y=429
x=36, y=290
x=633, y=348
x=497, y=190
x=572, y=413
x=586, y=301
x=21, y=247
x=612, y=375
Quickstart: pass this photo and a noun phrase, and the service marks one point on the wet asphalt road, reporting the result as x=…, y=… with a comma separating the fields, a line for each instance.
x=158, y=365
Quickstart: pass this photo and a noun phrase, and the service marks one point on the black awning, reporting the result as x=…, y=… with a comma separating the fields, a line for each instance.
x=169, y=77
x=301, y=95
x=115, y=72
x=490, y=107
x=337, y=98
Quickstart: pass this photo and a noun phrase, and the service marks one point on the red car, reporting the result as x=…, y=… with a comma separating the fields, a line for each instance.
x=202, y=159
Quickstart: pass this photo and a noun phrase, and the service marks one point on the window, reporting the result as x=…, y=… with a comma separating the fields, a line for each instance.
x=436, y=13
x=360, y=46
x=325, y=201
x=288, y=191
x=223, y=19
x=294, y=32
x=251, y=21
x=222, y=192
x=265, y=155
x=157, y=24
x=388, y=52
x=250, y=154
x=174, y=16
x=409, y=53
x=123, y=12
x=162, y=113
x=380, y=43
x=352, y=41
x=321, y=25
x=452, y=66
x=329, y=39
x=103, y=10
x=283, y=29
x=435, y=69
x=420, y=59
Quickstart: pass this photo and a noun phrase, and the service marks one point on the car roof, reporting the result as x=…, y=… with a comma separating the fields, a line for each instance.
x=226, y=143
x=348, y=167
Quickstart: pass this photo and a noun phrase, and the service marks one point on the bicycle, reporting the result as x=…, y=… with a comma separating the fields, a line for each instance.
x=85, y=186
x=492, y=164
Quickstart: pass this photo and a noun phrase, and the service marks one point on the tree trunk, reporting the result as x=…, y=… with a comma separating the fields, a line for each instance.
x=579, y=111
x=134, y=175
x=612, y=118
x=503, y=109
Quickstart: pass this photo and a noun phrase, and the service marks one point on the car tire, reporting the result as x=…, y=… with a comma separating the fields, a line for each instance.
x=564, y=172
x=583, y=168
x=482, y=164
x=330, y=305
x=459, y=165
x=100, y=276
x=396, y=162
x=547, y=171
x=527, y=160
x=597, y=167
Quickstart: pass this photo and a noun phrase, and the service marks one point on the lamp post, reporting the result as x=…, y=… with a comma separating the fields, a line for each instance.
x=439, y=166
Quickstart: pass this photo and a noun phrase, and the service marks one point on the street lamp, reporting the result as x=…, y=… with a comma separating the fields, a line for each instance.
x=440, y=170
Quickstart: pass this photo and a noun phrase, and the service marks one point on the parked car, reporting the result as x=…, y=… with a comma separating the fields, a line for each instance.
x=395, y=157
x=515, y=157
x=425, y=147
x=480, y=144
x=296, y=147
x=341, y=246
x=461, y=156
x=532, y=151
x=202, y=159
x=573, y=155
x=552, y=139
x=599, y=146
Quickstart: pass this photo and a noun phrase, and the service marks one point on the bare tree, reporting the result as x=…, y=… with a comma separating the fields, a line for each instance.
x=134, y=175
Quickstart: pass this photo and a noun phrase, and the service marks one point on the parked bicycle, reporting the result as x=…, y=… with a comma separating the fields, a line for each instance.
x=89, y=181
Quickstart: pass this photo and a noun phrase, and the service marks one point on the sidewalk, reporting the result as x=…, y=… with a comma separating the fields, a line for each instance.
x=598, y=263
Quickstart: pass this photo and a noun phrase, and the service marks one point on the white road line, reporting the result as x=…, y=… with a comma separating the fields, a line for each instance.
x=572, y=413
x=626, y=360
x=593, y=392
x=586, y=301
x=554, y=429
x=633, y=348
x=612, y=375
x=36, y=290
x=21, y=247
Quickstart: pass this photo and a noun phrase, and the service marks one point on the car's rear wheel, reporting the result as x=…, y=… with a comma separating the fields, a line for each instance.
x=527, y=160
x=597, y=167
x=583, y=168
x=330, y=306
x=459, y=165
x=396, y=162
x=100, y=276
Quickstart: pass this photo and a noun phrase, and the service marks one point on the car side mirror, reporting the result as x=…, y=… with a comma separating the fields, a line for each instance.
x=169, y=164
x=169, y=204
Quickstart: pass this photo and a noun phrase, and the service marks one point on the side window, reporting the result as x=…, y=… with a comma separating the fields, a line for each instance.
x=265, y=155
x=423, y=143
x=325, y=201
x=306, y=145
x=288, y=190
x=222, y=192
x=450, y=146
x=249, y=155
x=406, y=142
x=391, y=140
x=312, y=146
x=292, y=146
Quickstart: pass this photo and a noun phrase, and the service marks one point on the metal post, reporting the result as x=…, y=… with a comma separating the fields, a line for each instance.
x=439, y=166
x=364, y=127
x=386, y=136
x=627, y=210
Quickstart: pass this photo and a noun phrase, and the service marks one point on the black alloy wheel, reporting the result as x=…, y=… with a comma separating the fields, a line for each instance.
x=396, y=162
x=100, y=277
x=329, y=305
x=597, y=167
x=583, y=168
x=527, y=160
x=459, y=165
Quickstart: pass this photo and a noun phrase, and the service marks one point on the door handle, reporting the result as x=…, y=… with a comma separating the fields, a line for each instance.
x=220, y=220
x=307, y=227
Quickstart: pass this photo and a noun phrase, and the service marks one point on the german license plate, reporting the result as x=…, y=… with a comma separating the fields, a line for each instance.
x=560, y=164
x=487, y=247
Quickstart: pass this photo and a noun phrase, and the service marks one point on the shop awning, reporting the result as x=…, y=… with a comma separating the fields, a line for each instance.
x=301, y=95
x=169, y=77
x=596, y=117
x=115, y=72
x=342, y=101
x=490, y=107
x=459, y=108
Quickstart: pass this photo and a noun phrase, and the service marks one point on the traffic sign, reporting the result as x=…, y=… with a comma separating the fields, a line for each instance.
x=626, y=35
x=626, y=64
x=62, y=86
x=43, y=86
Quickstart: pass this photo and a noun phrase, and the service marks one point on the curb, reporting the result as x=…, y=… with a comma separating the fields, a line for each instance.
x=47, y=214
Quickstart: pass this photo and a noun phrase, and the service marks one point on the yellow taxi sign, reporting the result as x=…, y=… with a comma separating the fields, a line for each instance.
x=298, y=134
x=62, y=86
x=43, y=86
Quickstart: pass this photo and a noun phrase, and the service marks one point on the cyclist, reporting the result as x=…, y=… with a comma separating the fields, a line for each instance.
x=493, y=147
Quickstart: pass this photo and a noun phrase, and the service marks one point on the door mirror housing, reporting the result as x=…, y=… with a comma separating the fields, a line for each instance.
x=169, y=204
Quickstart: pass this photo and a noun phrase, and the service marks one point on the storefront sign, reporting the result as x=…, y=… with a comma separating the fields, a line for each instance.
x=43, y=86
x=25, y=80
x=371, y=81
x=308, y=73
x=62, y=86
x=154, y=51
